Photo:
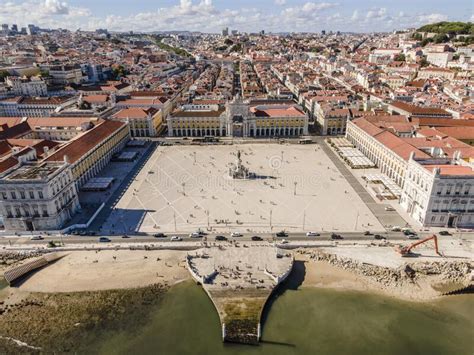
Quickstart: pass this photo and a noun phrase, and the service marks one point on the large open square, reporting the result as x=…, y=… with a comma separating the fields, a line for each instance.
x=296, y=188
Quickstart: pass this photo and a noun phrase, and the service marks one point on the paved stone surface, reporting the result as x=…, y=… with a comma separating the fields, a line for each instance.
x=386, y=218
x=239, y=279
x=183, y=188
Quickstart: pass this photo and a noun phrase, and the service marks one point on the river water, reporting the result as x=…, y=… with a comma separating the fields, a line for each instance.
x=303, y=321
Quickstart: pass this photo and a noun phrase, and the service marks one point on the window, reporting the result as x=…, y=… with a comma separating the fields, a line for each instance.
x=13, y=195
x=9, y=211
x=22, y=194
x=433, y=219
x=17, y=212
x=466, y=189
x=32, y=194
x=45, y=211
x=40, y=194
x=4, y=195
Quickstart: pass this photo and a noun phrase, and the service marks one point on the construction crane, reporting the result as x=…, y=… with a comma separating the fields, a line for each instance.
x=406, y=250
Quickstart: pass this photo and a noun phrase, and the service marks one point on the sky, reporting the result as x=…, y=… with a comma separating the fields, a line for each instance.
x=242, y=15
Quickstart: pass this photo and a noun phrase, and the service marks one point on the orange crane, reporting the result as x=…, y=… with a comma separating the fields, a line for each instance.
x=406, y=250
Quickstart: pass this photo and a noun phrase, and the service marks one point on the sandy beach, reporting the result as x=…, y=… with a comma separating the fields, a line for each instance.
x=109, y=269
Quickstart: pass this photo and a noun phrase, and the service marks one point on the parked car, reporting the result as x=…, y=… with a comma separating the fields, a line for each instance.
x=221, y=238
x=396, y=229
x=175, y=238
x=282, y=234
x=125, y=236
x=444, y=233
x=367, y=233
x=256, y=238
x=37, y=237
x=412, y=236
x=408, y=232
x=104, y=240
x=196, y=235
x=335, y=236
x=284, y=241
x=159, y=235
x=379, y=237
x=236, y=234
x=312, y=234
x=389, y=208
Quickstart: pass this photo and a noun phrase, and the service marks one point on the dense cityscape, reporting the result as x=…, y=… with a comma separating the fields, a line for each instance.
x=135, y=161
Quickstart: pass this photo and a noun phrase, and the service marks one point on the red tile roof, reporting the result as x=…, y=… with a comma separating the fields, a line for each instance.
x=87, y=141
x=135, y=113
x=399, y=146
x=8, y=163
x=450, y=170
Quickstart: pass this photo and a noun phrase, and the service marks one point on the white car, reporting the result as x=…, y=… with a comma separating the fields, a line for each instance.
x=236, y=234
x=195, y=235
x=175, y=238
x=312, y=234
x=37, y=237
x=389, y=208
x=284, y=241
x=396, y=229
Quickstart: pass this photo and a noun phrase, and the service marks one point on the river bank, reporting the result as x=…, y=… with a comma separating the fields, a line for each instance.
x=412, y=281
x=71, y=302
x=59, y=322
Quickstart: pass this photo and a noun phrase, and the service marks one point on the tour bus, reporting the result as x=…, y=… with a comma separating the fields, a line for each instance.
x=305, y=141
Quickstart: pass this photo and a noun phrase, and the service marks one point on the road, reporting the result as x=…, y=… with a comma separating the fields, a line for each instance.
x=292, y=237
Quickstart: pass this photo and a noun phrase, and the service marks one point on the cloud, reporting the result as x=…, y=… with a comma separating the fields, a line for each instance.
x=376, y=13
x=355, y=15
x=56, y=7
x=46, y=13
x=431, y=18
x=205, y=16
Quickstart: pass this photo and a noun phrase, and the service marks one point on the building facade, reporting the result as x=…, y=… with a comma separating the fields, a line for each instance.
x=239, y=119
x=142, y=122
x=439, y=193
x=35, y=86
x=90, y=152
x=38, y=197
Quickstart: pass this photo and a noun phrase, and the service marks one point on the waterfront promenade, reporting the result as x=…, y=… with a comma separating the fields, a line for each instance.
x=239, y=279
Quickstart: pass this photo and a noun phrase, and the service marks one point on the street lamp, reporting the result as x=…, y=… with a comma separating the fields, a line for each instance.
x=295, y=183
x=271, y=227
x=184, y=185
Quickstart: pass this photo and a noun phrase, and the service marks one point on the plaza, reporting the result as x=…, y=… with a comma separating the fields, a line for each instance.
x=183, y=188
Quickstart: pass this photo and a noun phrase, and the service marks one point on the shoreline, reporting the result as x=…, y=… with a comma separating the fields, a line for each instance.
x=88, y=271
x=414, y=282
x=98, y=291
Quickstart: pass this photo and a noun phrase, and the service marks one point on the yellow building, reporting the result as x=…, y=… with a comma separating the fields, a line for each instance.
x=91, y=151
x=144, y=122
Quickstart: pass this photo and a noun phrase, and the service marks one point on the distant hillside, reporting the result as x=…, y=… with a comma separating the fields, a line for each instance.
x=449, y=28
x=445, y=32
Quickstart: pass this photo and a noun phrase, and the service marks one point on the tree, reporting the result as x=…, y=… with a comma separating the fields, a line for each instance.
x=119, y=71
x=3, y=75
x=44, y=73
x=424, y=62
x=426, y=41
x=400, y=57
x=440, y=38
x=228, y=41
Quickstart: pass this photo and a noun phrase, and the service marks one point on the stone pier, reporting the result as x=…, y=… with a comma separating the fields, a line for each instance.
x=239, y=279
